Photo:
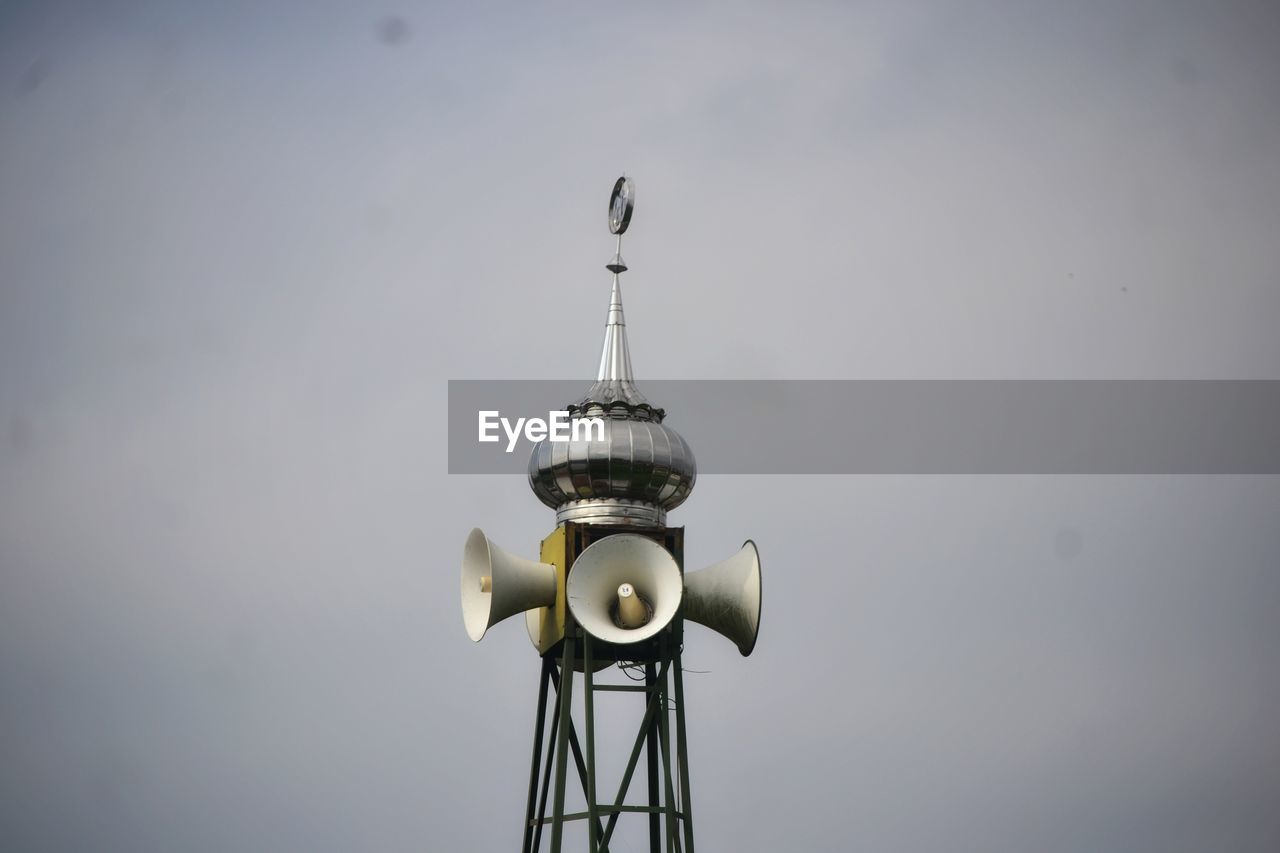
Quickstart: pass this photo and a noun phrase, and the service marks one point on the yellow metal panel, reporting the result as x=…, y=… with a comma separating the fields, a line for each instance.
x=546, y=624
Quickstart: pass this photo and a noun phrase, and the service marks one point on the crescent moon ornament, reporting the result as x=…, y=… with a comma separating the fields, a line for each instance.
x=621, y=203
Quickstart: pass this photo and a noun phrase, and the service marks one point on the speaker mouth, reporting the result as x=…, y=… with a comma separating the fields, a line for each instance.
x=477, y=601
x=596, y=582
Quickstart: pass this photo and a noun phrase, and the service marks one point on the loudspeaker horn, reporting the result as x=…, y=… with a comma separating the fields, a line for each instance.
x=726, y=597
x=497, y=584
x=624, y=588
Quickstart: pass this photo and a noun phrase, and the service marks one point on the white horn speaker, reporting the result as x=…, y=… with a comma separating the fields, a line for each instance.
x=497, y=584
x=726, y=597
x=613, y=576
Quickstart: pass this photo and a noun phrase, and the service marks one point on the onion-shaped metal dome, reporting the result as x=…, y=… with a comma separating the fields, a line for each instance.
x=636, y=471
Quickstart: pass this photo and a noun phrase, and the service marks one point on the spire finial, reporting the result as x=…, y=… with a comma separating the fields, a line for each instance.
x=614, y=380
x=621, y=203
x=615, y=359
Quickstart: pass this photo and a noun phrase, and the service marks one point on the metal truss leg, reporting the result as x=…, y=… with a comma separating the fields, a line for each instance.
x=663, y=731
x=588, y=699
x=682, y=753
x=547, y=766
x=651, y=760
x=562, y=751
x=534, y=767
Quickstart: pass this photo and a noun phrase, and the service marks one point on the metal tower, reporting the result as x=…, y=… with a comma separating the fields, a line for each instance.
x=610, y=589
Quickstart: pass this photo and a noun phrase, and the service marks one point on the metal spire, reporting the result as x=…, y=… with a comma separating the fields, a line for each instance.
x=615, y=383
x=615, y=358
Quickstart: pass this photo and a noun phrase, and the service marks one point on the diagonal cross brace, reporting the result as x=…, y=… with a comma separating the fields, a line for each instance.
x=649, y=711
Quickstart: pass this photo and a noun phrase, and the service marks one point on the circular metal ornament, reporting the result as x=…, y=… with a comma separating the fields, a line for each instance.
x=621, y=203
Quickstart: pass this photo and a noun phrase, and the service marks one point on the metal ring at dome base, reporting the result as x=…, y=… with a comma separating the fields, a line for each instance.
x=612, y=511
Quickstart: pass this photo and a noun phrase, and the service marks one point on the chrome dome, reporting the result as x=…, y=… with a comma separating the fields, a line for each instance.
x=635, y=474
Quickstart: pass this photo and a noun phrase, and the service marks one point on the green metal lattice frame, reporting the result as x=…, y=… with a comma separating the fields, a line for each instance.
x=670, y=813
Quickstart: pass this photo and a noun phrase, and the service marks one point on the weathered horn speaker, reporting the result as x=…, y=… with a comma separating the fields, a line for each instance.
x=497, y=584
x=624, y=588
x=726, y=597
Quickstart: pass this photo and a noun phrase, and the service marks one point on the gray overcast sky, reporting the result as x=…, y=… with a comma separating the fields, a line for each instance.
x=242, y=250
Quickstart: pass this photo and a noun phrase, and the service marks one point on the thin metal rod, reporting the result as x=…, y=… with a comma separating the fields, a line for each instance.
x=588, y=698
x=566, y=701
x=619, y=809
x=655, y=820
x=609, y=809
x=682, y=752
x=538, y=730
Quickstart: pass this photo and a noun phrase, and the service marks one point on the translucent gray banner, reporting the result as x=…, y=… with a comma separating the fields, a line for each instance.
x=914, y=427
